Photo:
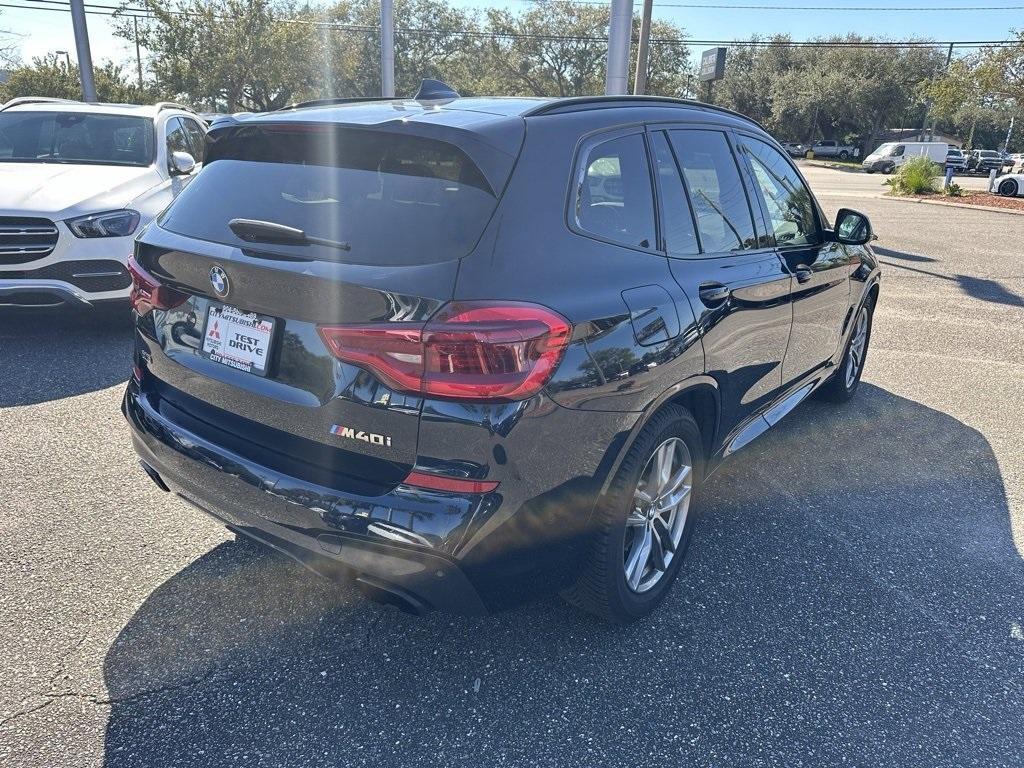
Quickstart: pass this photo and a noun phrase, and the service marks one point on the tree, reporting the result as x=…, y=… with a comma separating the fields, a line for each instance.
x=978, y=95
x=253, y=55
x=526, y=59
x=50, y=76
x=430, y=41
x=848, y=91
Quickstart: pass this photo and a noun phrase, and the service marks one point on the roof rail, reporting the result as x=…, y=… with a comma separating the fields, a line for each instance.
x=36, y=100
x=162, y=105
x=570, y=102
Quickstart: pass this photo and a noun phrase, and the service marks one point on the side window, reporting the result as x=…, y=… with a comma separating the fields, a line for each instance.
x=197, y=138
x=724, y=219
x=787, y=200
x=177, y=139
x=613, y=194
x=899, y=150
x=676, y=217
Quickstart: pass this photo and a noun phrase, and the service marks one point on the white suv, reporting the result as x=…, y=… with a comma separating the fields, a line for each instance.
x=77, y=181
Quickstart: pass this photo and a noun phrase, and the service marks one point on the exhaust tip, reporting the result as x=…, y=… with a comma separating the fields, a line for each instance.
x=388, y=594
x=155, y=477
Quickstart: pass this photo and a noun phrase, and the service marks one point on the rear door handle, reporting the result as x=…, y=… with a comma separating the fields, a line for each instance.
x=713, y=294
x=803, y=273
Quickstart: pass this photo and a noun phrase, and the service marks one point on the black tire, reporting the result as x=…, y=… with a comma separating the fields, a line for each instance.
x=869, y=170
x=601, y=588
x=888, y=169
x=840, y=387
x=844, y=155
x=1007, y=188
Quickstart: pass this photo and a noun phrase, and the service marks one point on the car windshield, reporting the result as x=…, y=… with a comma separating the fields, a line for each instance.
x=988, y=153
x=75, y=137
x=954, y=153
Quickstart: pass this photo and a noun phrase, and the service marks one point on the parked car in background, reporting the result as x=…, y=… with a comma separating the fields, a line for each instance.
x=956, y=159
x=77, y=181
x=984, y=160
x=529, y=403
x=1017, y=161
x=891, y=155
x=794, y=149
x=829, y=148
x=1011, y=185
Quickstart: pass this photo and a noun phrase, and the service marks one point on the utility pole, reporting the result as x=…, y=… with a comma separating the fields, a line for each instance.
x=620, y=27
x=1009, y=134
x=82, y=46
x=925, y=129
x=138, y=51
x=640, y=80
x=387, y=49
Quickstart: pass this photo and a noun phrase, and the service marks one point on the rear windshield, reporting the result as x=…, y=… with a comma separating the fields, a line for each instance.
x=391, y=198
x=75, y=137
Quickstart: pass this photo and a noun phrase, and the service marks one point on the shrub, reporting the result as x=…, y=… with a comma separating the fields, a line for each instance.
x=953, y=190
x=917, y=176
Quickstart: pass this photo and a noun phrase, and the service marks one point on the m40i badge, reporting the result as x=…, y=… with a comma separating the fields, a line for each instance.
x=358, y=434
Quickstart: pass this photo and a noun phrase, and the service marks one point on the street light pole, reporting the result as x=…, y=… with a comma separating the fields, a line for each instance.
x=82, y=46
x=387, y=49
x=619, y=28
x=67, y=59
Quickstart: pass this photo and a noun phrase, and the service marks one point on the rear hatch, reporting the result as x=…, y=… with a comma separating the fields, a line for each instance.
x=290, y=228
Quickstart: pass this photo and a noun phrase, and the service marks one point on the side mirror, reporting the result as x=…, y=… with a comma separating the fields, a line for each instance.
x=182, y=164
x=852, y=228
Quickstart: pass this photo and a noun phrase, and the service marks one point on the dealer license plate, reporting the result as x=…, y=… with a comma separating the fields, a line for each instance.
x=238, y=339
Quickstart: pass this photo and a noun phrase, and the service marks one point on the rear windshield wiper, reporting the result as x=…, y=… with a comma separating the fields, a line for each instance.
x=256, y=231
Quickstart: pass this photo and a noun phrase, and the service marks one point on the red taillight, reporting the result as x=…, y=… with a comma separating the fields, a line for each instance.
x=147, y=292
x=468, y=351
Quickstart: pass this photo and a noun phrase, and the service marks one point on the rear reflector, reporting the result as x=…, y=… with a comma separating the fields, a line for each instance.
x=496, y=351
x=453, y=484
x=147, y=292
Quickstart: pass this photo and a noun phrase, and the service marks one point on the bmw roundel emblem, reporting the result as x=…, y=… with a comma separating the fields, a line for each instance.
x=219, y=281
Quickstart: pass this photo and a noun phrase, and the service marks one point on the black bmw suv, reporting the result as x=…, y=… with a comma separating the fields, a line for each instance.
x=466, y=350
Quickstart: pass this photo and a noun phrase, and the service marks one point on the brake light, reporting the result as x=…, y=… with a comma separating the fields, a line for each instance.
x=147, y=292
x=468, y=351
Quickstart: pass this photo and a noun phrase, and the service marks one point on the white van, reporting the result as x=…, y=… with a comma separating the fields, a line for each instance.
x=891, y=155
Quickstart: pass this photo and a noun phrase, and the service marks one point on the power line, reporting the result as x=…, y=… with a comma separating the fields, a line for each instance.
x=725, y=6
x=146, y=14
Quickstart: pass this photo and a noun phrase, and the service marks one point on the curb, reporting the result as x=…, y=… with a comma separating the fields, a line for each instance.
x=920, y=201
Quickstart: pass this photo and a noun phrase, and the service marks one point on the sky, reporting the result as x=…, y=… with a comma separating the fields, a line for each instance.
x=38, y=31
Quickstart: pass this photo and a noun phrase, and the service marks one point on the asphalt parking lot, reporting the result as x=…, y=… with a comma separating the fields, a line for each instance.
x=854, y=594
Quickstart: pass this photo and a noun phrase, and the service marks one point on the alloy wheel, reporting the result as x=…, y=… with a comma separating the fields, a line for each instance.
x=657, y=520
x=858, y=345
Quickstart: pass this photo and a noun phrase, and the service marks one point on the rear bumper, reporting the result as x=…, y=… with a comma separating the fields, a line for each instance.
x=325, y=529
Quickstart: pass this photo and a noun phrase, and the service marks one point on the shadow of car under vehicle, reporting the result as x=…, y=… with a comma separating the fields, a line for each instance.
x=49, y=355
x=853, y=590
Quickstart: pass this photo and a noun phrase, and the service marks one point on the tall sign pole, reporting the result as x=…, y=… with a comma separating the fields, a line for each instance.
x=620, y=27
x=642, y=50
x=387, y=49
x=82, y=46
